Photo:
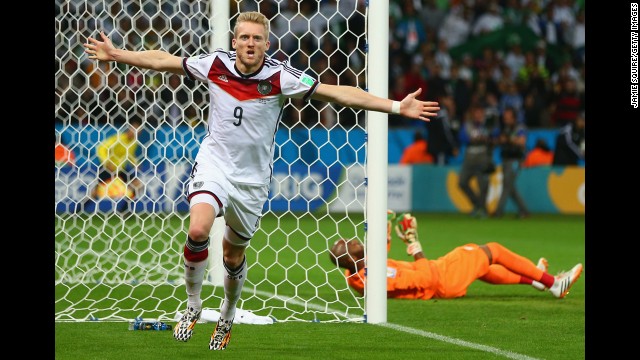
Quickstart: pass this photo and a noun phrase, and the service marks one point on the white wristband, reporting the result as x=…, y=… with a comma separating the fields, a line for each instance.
x=414, y=248
x=395, y=107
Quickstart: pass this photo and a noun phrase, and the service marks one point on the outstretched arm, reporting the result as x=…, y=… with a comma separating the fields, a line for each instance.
x=148, y=59
x=356, y=98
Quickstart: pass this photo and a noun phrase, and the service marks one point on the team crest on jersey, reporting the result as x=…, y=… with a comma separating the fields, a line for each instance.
x=264, y=87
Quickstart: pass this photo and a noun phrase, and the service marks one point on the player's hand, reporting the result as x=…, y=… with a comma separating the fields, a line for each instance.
x=99, y=50
x=417, y=109
x=407, y=230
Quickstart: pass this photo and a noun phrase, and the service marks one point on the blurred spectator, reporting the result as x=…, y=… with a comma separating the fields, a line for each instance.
x=440, y=132
x=531, y=18
x=327, y=111
x=569, y=149
x=294, y=26
x=513, y=13
x=511, y=137
x=349, y=8
x=548, y=27
x=515, y=57
x=566, y=104
x=436, y=83
x=417, y=151
x=395, y=46
x=398, y=91
x=565, y=19
x=511, y=98
x=489, y=21
x=477, y=162
x=443, y=59
x=64, y=155
x=486, y=82
x=506, y=76
x=540, y=155
x=486, y=60
x=456, y=26
x=563, y=12
x=578, y=37
x=432, y=15
x=410, y=30
x=566, y=71
x=397, y=66
x=543, y=59
x=414, y=79
x=533, y=109
x=495, y=69
x=581, y=82
x=532, y=69
x=461, y=83
x=118, y=159
x=466, y=68
x=491, y=110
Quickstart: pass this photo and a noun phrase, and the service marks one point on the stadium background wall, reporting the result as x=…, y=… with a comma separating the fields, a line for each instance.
x=302, y=186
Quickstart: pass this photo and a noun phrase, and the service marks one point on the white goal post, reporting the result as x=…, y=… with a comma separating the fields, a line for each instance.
x=119, y=257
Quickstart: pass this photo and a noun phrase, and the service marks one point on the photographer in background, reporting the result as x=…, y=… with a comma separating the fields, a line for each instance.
x=569, y=149
x=477, y=162
x=511, y=137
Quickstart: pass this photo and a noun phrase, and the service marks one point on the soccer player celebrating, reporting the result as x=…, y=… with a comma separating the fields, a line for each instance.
x=450, y=275
x=233, y=167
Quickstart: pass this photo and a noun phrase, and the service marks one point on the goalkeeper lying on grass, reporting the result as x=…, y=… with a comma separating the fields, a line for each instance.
x=450, y=275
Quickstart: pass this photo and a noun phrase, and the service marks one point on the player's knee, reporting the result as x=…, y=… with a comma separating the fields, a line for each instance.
x=494, y=248
x=198, y=232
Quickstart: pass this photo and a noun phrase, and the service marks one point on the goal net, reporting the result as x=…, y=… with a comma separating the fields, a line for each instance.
x=118, y=255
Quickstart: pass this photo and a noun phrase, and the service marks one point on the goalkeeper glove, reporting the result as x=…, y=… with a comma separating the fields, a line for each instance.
x=407, y=230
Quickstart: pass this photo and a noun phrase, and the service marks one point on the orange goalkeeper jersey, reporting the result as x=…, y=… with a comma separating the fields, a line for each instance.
x=446, y=277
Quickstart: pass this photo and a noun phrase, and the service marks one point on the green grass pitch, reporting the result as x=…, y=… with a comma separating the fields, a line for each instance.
x=491, y=322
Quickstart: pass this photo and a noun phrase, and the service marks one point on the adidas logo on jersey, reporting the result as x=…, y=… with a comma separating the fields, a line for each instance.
x=223, y=78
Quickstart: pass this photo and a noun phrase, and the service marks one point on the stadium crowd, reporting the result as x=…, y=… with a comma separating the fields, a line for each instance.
x=536, y=67
x=525, y=54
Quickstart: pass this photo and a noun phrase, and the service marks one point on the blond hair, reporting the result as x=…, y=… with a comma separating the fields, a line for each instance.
x=254, y=17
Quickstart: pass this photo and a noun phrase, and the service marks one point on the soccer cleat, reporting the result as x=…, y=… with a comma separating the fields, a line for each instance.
x=564, y=281
x=184, y=328
x=221, y=335
x=543, y=265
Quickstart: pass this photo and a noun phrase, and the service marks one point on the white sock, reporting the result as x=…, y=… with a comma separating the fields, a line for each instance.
x=233, y=282
x=193, y=278
x=538, y=285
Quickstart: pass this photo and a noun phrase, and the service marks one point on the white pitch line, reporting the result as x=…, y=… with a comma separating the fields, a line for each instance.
x=427, y=334
x=458, y=342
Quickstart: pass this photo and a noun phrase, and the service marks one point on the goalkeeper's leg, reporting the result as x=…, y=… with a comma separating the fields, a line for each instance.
x=518, y=264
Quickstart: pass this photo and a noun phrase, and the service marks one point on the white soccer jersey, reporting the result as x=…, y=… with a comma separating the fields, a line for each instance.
x=244, y=112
